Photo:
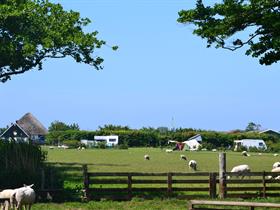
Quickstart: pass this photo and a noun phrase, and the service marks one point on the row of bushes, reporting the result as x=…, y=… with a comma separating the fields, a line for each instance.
x=20, y=164
x=153, y=138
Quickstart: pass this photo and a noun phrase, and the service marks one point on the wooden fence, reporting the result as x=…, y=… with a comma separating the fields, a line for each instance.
x=119, y=185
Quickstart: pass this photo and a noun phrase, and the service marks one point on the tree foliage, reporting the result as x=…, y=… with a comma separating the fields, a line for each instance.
x=34, y=30
x=61, y=126
x=253, y=127
x=222, y=23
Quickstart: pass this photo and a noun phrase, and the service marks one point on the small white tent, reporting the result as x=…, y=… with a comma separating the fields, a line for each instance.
x=193, y=143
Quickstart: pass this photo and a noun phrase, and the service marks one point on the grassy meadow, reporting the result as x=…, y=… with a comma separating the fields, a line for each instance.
x=132, y=160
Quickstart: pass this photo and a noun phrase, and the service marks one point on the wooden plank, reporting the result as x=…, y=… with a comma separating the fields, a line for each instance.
x=108, y=181
x=244, y=188
x=129, y=187
x=125, y=174
x=192, y=181
x=191, y=189
x=212, y=185
x=138, y=181
x=86, y=182
x=272, y=188
x=234, y=203
x=243, y=181
x=243, y=195
x=272, y=181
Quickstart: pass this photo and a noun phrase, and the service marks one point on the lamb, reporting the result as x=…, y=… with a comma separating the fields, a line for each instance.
x=23, y=196
x=276, y=165
x=277, y=177
x=6, y=195
x=193, y=165
x=168, y=150
x=183, y=157
x=241, y=170
x=146, y=157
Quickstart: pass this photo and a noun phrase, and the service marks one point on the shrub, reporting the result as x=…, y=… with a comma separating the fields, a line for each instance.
x=20, y=164
x=122, y=146
x=101, y=145
x=72, y=143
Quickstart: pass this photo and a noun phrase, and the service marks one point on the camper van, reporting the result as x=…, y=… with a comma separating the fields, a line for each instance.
x=258, y=143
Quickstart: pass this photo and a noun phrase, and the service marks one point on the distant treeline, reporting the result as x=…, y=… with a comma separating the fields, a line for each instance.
x=149, y=137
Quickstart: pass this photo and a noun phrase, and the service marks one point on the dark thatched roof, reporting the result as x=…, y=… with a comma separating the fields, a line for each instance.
x=31, y=125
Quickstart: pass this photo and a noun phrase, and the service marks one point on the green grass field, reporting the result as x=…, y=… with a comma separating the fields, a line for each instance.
x=132, y=160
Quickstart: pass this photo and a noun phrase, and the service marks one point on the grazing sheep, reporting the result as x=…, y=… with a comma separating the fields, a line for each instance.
x=244, y=153
x=259, y=153
x=24, y=196
x=275, y=155
x=168, y=150
x=276, y=165
x=183, y=157
x=193, y=165
x=277, y=177
x=214, y=150
x=241, y=170
x=146, y=157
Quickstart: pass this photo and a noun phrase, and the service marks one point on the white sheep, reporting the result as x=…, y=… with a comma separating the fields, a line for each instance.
x=146, y=157
x=275, y=155
x=244, y=153
x=168, y=150
x=241, y=170
x=276, y=165
x=193, y=165
x=24, y=196
x=275, y=176
x=183, y=157
x=6, y=194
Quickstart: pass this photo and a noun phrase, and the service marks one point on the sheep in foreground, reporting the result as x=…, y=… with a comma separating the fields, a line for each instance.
x=193, y=165
x=183, y=157
x=146, y=157
x=276, y=165
x=24, y=196
x=168, y=150
x=241, y=170
x=6, y=194
x=277, y=177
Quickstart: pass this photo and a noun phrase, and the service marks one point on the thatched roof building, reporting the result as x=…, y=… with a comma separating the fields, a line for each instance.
x=27, y=127
x=31, y=125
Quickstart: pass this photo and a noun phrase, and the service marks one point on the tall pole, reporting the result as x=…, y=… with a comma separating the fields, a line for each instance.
x=222, y=176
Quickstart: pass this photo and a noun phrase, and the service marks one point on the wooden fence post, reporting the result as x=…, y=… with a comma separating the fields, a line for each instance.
x=212, y=185
x=169, y=183
x=129, y=186
x=86, y=182
x=222, y=176
x=42, y=178
x=264, y=185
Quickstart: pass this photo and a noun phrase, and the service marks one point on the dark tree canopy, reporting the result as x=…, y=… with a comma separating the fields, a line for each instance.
x=61, y=126
x=34, y=30
x=221, y=24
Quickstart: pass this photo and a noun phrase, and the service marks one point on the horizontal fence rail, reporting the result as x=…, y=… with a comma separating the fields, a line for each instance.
x=126, y=184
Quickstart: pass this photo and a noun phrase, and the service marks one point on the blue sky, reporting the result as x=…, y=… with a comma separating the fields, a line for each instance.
x=161, y=71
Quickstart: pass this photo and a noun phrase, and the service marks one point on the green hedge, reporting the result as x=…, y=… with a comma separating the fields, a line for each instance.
x=20, y=164
x=154, y=138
